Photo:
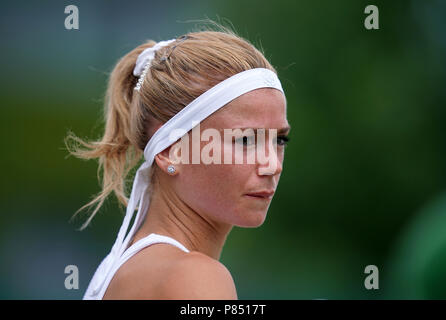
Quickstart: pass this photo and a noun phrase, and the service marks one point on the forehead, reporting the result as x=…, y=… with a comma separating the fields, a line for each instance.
x=260, y=108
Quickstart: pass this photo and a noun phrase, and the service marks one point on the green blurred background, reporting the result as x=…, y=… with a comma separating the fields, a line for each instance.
x=364, y=179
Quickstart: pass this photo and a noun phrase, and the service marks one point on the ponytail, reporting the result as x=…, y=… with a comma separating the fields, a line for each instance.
x=117, y=151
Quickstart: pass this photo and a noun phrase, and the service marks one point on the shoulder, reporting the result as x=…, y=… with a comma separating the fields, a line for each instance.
x=141, y=275
x=167, y=273
x=196, y=276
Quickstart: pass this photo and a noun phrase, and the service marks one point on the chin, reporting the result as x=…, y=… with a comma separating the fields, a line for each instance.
x=253, y=220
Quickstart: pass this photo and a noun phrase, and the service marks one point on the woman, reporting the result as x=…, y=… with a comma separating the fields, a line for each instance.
x=221, y=82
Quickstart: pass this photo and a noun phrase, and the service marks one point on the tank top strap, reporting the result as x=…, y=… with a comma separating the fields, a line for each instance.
x=128, y=253
x=152, y=238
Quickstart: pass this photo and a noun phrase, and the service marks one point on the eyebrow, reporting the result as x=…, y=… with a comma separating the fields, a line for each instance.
x=283, y=130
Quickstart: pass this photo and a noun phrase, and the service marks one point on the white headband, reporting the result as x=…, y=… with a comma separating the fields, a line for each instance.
x=196, y=111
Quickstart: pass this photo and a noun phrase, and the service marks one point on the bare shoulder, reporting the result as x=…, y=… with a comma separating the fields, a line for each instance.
x=196, y=276
x=141, y=275
x=164, y=272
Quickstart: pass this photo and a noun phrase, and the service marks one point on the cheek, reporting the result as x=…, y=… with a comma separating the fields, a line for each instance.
x=213, y=189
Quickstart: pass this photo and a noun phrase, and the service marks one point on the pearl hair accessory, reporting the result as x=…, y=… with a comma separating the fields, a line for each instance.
x=144, y=61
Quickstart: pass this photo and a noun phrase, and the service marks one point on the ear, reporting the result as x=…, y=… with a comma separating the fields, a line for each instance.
x=169, y=157
x=162, y=159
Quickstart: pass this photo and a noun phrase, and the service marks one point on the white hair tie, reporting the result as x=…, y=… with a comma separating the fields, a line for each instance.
x=144, y=61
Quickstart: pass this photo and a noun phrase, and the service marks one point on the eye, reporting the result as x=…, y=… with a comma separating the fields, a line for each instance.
x=246, y=141
x=282, y=140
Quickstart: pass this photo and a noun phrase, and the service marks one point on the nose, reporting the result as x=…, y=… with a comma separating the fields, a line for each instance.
x=273, y=167
x=273, y=164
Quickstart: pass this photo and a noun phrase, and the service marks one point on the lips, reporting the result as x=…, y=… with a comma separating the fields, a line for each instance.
x=261, y=195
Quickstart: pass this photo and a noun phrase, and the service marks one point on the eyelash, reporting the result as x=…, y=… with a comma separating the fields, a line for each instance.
x=283, y=140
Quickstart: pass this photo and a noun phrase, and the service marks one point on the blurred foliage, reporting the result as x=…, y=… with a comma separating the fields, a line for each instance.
x=365, y=162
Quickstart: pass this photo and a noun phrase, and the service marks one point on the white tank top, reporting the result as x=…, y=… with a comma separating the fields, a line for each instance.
x=128, y=253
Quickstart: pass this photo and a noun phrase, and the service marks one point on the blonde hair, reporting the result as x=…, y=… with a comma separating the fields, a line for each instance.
x=179, y=73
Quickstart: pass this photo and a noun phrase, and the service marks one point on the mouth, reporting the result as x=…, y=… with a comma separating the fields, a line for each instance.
x=265, y=195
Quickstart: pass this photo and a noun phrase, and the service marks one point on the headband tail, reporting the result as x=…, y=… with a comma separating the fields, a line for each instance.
x=136, y=197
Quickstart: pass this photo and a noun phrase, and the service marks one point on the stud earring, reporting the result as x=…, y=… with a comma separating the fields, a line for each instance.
x=171, y=169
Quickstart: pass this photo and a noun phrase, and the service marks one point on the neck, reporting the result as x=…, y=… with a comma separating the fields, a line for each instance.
x=168, y=215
